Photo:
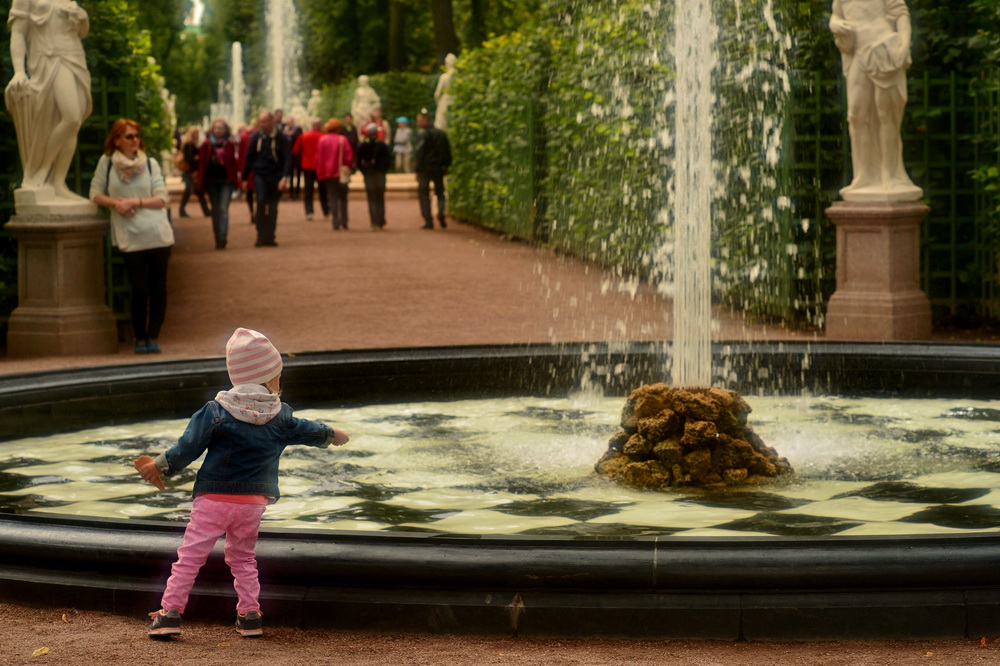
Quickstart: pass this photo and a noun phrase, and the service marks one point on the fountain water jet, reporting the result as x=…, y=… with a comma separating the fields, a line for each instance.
x=284, y=47
x=239, y=111
x=696, y=58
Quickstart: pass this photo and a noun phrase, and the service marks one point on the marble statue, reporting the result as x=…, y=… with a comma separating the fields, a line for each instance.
x=49, y=94
x=873, y=37
x=365, y=101
x=312, y=106
x=442, y=94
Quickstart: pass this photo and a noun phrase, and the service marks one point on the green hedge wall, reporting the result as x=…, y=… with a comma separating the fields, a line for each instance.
x=402, y=94
x=562, y=135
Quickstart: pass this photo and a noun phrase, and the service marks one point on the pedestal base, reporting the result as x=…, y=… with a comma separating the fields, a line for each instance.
x=878, y=296
x=61, y=292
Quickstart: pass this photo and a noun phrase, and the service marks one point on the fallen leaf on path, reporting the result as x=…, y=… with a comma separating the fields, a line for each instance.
x=223, y=644
x=982, y=641
x=39, y=652
x=65, y=619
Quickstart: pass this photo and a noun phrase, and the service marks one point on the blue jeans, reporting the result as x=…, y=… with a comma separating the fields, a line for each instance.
x=220, y=192
x=265, y=188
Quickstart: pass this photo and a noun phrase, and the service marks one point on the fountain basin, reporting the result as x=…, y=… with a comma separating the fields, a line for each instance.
x=728, y=588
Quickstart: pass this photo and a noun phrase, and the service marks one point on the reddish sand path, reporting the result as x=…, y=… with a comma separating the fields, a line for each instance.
x=405, y=286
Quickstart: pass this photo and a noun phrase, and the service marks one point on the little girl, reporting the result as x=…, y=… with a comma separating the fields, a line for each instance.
x=244, y=430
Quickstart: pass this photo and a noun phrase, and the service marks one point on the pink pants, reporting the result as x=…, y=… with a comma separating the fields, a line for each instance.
x=210, y=520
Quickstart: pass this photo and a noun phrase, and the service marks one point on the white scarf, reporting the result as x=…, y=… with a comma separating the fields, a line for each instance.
x=128, y=168
x=250, y=403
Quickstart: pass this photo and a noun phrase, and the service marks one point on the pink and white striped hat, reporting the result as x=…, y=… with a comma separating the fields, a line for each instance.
x=251, y=358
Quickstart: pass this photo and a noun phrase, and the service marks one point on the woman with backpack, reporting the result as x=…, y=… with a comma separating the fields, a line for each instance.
x=131, y=184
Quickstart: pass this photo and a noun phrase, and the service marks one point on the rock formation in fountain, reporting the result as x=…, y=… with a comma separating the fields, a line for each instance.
x=874, y=41
x=688, y=437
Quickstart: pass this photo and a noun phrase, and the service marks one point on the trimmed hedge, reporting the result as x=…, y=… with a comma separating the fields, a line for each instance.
x=563, y=134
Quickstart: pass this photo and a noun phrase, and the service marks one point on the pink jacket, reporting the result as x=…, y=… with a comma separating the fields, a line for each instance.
x=330, y=148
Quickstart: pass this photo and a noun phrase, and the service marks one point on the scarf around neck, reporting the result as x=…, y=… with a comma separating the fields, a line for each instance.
x=128, y=168
x=250, y=403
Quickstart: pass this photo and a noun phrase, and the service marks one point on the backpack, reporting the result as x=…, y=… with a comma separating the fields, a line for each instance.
x=180, y=162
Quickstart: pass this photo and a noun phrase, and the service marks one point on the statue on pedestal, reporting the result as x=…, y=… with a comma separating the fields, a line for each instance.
x=49, y=94
x=442, y=94
x=366, y=100
x=312, y=106
x=873, y=37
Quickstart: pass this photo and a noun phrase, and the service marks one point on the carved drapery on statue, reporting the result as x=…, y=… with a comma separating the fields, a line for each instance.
x=49, y=94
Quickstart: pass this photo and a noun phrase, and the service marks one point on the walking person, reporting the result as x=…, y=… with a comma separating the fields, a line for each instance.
x=241, y=157
x=242, y=433
x=293, y=132
x=190, y=146
x=402, y=145
x=218, y=175
x=305, y=149
x=374, y=160
x=432, y=160
x=334, y=158
x=384, y=128
x=351, y=132
x=131, y=184
x=269, y=157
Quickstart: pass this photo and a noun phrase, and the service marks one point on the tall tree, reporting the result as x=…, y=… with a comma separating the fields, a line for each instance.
x=397, y=35
x=445, y=39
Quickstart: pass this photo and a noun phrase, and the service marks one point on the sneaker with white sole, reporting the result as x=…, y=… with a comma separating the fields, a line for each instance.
x=165, y=623
x=249, y=624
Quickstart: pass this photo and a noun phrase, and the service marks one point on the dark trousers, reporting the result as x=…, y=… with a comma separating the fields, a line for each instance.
x=424, y=179
x=336, y=195
x=375, y=188
x=295, y=183
x=147, y=275
x=188, y=179
x=265, y=188
x=220, y=192
x=310, y=188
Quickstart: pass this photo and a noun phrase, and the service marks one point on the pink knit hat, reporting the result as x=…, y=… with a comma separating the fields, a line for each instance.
x=251, y=358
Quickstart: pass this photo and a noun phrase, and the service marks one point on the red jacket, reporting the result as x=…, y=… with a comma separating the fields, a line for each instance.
x=206, y=154
x=330, y=147
x=305, y=148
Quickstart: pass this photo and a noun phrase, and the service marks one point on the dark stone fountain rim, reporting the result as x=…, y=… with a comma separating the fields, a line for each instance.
x=749, y=587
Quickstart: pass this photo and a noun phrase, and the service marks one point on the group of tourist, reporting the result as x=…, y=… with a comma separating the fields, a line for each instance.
x=278, y=156
x=261, y=161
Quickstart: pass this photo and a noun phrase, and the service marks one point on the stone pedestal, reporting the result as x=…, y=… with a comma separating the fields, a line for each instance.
x=878, y=294
x=61, y=296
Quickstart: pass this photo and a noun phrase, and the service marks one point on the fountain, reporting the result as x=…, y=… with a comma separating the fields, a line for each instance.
x=624, y=584
x=239, y=111
x=284, y=47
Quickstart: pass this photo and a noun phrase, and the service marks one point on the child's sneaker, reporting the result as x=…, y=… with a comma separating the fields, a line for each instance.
x=249, y=624
x=165, y=623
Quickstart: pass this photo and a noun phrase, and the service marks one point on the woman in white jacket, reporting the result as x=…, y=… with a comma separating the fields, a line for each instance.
x=131, y=184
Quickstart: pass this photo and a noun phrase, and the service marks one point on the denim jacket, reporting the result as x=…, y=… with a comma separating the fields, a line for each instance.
x=242, y=458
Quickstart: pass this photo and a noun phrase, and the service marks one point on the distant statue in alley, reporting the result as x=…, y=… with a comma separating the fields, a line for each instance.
x=365, y=101
x=873, y=37
x=442, y=93
x=49, y=94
